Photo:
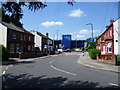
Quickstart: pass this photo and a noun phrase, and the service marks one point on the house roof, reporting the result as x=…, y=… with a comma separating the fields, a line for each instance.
x=11, y=26
x=42, y=35
x=14, y=27
x=108, y=27
x=106, y=30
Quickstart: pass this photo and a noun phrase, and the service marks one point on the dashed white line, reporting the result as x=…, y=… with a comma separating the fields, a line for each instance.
x=51, y=61
x=60, y=69
x=113, y=84
x=7, y=67
x=3, y=72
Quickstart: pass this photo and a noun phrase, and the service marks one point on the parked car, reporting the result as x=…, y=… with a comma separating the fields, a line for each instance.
x=78, y=50
x=67, y=50
x=60, y=50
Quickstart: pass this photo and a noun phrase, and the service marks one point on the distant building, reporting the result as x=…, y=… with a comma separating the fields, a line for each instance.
x=15, y=39
x=66, y=41
x=42, y=42
x=77, y=43
x=74, y=43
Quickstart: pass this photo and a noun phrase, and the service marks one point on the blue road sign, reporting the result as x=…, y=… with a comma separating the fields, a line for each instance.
x=91, y=40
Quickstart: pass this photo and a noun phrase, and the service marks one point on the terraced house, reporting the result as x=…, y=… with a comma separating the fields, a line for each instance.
x=109, y=40
x=15, y=39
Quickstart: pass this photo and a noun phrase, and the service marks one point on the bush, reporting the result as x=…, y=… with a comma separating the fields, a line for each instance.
x=118, y=58
x=93, y=53
x=5, y=54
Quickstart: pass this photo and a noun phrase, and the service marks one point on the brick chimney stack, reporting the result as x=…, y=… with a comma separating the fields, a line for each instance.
x=107, y=27
x=111, y=21
x=47, y=34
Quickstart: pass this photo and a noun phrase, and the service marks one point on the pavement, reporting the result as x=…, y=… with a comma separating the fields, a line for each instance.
x=88, y=62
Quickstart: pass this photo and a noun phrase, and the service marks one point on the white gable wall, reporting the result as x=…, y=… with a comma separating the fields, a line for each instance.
x=3, y=35
x=38, y=40
x=116, y=27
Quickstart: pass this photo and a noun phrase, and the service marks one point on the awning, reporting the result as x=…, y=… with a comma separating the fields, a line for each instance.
x=109, y=44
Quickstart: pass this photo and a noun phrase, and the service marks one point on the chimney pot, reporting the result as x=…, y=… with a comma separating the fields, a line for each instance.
x=47, y=34
x=111, y=21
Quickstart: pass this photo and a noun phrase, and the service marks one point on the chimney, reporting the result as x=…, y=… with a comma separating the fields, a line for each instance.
x=107, y=27
x=111, y=21
x=47, y=34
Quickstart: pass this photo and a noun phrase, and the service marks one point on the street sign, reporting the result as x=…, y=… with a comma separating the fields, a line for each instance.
x=91, y=40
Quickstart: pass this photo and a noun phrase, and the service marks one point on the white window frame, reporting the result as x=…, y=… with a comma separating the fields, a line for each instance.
x=14, y=36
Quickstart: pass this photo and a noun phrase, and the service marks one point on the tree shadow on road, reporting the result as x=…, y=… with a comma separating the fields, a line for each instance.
x=15, y=62
x=28, y=81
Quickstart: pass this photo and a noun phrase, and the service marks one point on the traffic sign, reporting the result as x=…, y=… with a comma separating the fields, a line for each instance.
x=91, y=40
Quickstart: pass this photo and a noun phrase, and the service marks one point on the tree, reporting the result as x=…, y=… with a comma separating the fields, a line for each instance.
x=12, y=11
x=91, y=45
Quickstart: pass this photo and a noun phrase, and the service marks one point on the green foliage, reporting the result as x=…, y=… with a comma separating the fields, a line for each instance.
x=93, y=53
x=118, y=58
x=91, y=45
x=13, y=12
x=5, y=53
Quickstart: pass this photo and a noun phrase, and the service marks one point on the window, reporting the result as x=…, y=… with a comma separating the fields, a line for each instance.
x=14, y=36
x=12, y=48
x=17, y=48
x=109, y=47
x=24, y=38
x=29, y=38
x=28, y=48
x=21, y=37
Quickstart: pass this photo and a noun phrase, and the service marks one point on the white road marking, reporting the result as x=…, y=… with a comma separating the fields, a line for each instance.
x=7, y=67
x=113, y=84
x=3, y=72
x=51, y=61
x=60, y=69
x=10, y=65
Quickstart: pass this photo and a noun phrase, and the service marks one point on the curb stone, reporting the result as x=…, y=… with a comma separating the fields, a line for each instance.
x=97, y=68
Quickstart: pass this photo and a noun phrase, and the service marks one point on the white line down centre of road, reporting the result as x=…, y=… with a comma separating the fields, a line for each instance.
x=60, y=69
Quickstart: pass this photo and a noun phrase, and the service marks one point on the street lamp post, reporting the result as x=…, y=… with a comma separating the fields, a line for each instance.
x=91, y=27
x=57, y=38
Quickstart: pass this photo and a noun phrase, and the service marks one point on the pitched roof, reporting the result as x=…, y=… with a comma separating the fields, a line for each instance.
x=43, y=35
x=16, y=28
x=11, y=26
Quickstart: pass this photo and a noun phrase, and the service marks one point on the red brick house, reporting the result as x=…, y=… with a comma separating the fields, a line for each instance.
x=15, y=39
x=108, y=43
x=105, y=40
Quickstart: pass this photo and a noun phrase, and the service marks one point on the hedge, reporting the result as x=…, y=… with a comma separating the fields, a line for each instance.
x=93, y=53
x=5, y=53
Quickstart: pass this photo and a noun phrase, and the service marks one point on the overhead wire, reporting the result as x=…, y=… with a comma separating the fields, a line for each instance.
x=104, y=20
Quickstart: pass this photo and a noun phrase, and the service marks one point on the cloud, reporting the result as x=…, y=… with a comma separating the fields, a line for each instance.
x=85, y=31
x=79, y=36
x=76, y=13
x=52, y=23
x=73, y=33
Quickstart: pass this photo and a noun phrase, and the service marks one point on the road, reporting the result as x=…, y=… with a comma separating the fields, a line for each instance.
x=60, y=71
